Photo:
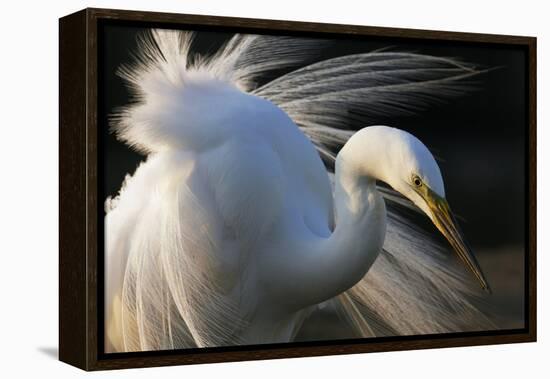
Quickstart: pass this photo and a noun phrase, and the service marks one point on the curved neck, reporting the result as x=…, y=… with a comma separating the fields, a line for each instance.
x=360, y=220
x=353, y=190
x=331, y=265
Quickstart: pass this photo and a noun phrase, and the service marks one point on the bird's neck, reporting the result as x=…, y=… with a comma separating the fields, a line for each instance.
x=360, y=217
x=359, y=164
x=354, y=192
x=331, y=265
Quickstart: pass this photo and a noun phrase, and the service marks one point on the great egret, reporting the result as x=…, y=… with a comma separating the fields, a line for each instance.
x=229, y=232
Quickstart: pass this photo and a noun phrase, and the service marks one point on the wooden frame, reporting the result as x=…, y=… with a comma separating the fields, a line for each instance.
x=79, y=326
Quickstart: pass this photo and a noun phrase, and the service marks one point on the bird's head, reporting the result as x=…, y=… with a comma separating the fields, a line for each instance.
x=408, y=167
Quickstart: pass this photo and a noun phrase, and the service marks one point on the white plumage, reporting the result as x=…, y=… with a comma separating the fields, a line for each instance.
x=228, y=233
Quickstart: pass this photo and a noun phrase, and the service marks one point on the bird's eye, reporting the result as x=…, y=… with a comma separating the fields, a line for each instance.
x=417, y=181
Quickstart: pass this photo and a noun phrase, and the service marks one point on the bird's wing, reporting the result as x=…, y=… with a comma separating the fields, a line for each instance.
x=171, y=281
x=177, y=250
x=413, y=287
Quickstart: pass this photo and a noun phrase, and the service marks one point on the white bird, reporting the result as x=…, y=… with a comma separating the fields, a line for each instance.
x=231, y=233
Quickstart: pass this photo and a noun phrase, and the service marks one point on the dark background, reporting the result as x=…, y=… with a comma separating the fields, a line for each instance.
x=479, y=140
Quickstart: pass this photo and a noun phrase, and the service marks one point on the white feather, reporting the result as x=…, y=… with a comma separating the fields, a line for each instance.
x=180, y=258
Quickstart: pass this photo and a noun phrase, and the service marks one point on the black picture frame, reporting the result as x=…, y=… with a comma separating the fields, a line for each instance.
x=81, y=235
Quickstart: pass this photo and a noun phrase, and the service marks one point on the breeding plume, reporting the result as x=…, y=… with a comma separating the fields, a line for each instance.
x=256, y=204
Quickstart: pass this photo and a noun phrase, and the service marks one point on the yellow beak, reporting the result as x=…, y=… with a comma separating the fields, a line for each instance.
x=444, y=220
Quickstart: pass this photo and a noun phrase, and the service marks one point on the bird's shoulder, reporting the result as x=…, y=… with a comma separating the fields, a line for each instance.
x=247, y=182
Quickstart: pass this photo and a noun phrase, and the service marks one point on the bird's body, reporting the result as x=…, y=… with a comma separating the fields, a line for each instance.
x=273, y=164
x=229, y=232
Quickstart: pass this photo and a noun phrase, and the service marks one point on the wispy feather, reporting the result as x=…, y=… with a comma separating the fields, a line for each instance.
x=171, y=296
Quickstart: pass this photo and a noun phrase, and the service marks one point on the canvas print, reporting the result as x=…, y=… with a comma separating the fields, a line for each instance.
x=264, y=189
